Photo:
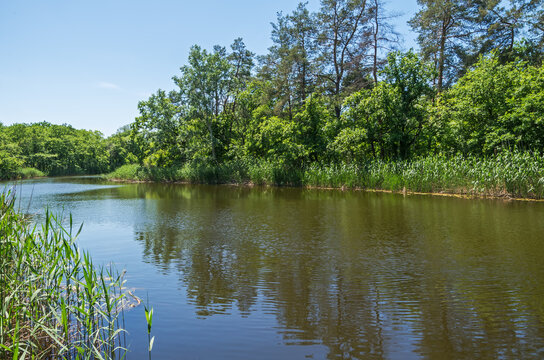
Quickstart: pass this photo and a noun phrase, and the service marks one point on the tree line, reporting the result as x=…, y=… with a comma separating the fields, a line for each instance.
x=60, y=150
x=333, y=88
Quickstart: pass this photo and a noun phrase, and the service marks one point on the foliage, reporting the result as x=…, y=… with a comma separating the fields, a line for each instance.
x=513, y=174
x=496, y=106
x=329, y=94
x=393, y=114
x=9, y=165
x=52, y=149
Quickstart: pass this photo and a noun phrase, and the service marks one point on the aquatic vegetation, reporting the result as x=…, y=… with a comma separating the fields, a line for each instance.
x=514, y=174
x=11, y=168
x=55, y=302
x=149, y=320
x=27, y=173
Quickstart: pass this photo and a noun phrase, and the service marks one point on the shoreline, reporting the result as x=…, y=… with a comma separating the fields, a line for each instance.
x=405, y=192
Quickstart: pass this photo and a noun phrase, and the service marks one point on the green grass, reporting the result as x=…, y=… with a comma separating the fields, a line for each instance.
x=28, y=173
x=20, y=173
x=234, y=172
x=513, y=174
x=55, y=302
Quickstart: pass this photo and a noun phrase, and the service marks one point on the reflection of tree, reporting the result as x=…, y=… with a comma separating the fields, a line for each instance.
x=367, y=275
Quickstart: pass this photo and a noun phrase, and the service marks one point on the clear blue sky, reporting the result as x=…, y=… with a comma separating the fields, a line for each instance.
x=88, y=63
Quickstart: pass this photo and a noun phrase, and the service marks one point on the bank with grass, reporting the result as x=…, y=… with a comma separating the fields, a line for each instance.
x=22, y=174
x=508, y=174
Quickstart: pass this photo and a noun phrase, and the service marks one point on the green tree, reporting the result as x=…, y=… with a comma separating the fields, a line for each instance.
x=443, y=27
x=496, y=106
x=341, y=30
x=158, y=126
x=311, y=123
x=122, y=148
x=394, y=113
x=204, y=87
x=241, y=61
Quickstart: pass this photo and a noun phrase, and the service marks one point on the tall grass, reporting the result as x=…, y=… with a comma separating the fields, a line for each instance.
x=55, y=302
x=28, y=172
x=19, y=173
x=515, y=174
x=233, y=172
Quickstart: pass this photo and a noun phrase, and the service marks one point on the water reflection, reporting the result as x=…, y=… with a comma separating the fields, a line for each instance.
x=367, y=275
x=288, y=273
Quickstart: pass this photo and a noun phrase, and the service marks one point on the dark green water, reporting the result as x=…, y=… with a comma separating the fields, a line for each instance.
x=276, y=273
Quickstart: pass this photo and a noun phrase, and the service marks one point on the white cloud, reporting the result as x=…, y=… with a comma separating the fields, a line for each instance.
x=108, y=85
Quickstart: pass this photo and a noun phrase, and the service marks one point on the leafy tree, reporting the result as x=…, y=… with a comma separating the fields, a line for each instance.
x=341, y=28
x=247, y=116
x=497, y=106
x=158, y=125
x=122, y=148
x=351, y=145
x=204, y=89
x=54, y=149
x=444, y=26
x=276, y=140
x=394, y=113
x=311, y=122
x=9, y=165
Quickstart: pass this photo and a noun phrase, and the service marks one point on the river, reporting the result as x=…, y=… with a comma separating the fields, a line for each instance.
x=283, y=273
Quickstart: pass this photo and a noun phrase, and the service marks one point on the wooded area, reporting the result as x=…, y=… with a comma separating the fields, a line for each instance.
x=333, y=89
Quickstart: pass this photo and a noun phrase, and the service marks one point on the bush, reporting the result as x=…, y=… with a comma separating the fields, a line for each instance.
x=27, y=173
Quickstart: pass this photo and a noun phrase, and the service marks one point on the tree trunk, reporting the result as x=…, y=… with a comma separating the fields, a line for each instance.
x=441, y=59
x=376, y=31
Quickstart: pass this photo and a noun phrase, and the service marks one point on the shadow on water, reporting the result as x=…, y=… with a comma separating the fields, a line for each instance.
x=343, y=274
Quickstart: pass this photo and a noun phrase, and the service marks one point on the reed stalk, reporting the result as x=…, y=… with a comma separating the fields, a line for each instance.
x=55, y=303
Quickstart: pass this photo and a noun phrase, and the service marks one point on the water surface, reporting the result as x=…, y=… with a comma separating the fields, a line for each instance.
x=280, y=273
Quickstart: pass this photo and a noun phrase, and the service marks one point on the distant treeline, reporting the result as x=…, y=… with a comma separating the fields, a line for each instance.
x=45, y=149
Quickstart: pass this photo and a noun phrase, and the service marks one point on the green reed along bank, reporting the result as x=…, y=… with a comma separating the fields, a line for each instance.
x=55, y=302
x=507, y=174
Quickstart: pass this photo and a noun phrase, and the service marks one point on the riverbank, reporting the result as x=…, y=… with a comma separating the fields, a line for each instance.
x=507, y=175
x=20, y=173
x=55, y=302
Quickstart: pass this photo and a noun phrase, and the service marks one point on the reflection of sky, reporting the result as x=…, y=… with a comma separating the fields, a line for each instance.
x=58, y=194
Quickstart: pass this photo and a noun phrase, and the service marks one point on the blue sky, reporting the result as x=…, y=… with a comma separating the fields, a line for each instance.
x=89, y=63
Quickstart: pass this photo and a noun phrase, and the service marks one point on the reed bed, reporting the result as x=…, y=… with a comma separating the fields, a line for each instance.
x=232, y=172
x=55, y=303
x=507, y=174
